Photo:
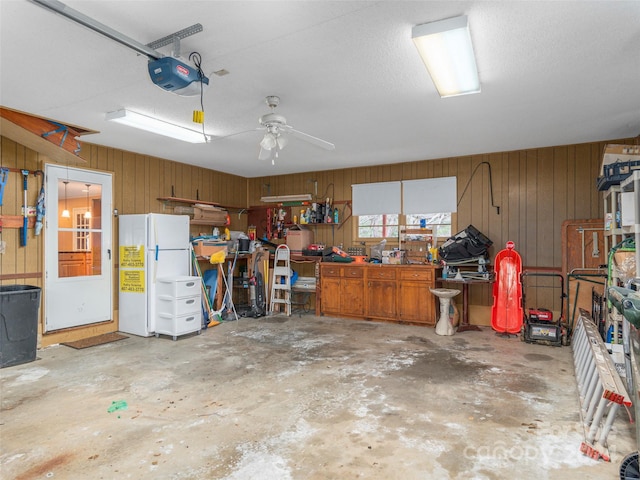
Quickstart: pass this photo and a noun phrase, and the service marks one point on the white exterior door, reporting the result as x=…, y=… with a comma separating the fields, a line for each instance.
x=78, y=248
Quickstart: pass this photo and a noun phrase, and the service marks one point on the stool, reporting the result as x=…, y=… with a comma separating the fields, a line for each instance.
x=444, y=326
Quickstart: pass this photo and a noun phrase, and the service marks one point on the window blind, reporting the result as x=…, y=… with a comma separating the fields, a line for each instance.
x=376, y=198
x=429, y=195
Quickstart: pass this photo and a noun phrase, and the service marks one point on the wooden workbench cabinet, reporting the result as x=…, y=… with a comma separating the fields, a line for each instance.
x=397, y=293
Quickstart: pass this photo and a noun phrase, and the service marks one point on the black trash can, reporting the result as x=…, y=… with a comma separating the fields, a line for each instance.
x=19, y=306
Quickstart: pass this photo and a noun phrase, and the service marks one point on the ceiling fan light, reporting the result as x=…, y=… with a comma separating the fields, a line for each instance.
x=268, y=142
x=282, y=141
x=264, y=154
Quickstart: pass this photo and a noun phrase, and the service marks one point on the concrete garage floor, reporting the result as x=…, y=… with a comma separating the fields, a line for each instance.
x=300, y=398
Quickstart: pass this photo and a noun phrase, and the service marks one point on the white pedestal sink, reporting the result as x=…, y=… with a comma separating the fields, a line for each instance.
x=444, y=326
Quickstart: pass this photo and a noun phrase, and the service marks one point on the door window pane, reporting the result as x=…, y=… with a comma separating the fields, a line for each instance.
x=79, y=229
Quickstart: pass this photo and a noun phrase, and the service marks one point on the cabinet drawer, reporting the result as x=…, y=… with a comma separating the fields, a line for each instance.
x=178, y=324
x=71, y=257
x=353, y=272
x=381, y=273
x=178, y=306
x=185, y=286
x=417, y=274
x=330, y=271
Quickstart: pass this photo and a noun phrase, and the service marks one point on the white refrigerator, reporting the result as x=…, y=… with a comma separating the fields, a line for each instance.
x=151, y=246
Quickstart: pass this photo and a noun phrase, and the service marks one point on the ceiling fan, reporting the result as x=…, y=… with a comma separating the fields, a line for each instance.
x=276, y=131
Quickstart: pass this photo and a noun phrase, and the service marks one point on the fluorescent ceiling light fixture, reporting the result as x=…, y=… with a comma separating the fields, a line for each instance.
x=154, y=125
x=447, y=52
x=303, y=197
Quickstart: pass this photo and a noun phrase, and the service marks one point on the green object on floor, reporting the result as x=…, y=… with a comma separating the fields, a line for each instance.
x=117, y=405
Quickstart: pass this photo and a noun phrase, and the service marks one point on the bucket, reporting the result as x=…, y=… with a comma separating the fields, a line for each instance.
x=243, y=244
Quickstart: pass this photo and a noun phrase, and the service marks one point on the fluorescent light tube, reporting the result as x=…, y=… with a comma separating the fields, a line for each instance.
x=447, y=52
x=303, y=197
x=154, y=125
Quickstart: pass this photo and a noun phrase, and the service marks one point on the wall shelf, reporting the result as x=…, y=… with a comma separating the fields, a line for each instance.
x=187, y=201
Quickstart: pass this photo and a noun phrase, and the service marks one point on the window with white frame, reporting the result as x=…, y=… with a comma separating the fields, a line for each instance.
x=378, y=226
x=382, y=207
x=377, y=208
x=438, y=223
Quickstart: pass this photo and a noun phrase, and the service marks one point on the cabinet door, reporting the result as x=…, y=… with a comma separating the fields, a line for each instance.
x=382, y=299
x=71, y=268
x=352, y=295
x=381, y=293
x=415, y=303
x=331, y=292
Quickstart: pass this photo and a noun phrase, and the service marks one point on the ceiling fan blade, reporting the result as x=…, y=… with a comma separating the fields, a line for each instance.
x=214, y=138
x=309, y=138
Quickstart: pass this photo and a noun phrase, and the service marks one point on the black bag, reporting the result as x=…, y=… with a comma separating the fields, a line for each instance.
x=469, y=243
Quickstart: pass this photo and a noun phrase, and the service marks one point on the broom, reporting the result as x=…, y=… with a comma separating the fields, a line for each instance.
x=211, y=313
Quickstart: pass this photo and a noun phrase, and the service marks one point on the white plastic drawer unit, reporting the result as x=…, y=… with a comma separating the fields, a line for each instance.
x=177, y=306
x=184, y=286
x=176, y=325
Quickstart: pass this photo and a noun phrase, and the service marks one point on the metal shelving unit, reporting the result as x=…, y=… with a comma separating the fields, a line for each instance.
x=631, y=227
x=622, y=221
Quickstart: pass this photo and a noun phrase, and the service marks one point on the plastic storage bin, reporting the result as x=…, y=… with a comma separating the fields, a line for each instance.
x=19, y=306
x=178, y=306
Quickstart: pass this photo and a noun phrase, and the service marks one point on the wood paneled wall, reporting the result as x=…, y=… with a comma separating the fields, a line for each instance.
x=20, y=265
x=138, y=180
x=536, y=190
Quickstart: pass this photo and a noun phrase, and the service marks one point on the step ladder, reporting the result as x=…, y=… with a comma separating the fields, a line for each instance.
x=600, y=387
x=281, y=284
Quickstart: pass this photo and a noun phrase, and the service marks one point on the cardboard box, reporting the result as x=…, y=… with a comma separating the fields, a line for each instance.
x=299, y=238
x=213, y=215
x=206, y=248
x=393, y=257
x=305, y=283
x=616, y=351
x=618, y=154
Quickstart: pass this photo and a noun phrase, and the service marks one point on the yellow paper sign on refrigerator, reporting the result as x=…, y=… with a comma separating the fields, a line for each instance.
x=132, y=256
x=132, y=281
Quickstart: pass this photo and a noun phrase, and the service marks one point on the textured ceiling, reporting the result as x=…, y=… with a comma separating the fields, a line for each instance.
x=552, y=73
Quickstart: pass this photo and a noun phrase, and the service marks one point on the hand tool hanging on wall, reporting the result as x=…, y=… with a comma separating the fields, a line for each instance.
x=25, y=221
x=4, y=175
x=40, y=209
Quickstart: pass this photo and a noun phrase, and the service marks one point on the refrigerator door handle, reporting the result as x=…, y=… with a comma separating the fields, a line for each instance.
x=157, y=253
x=109, y=253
